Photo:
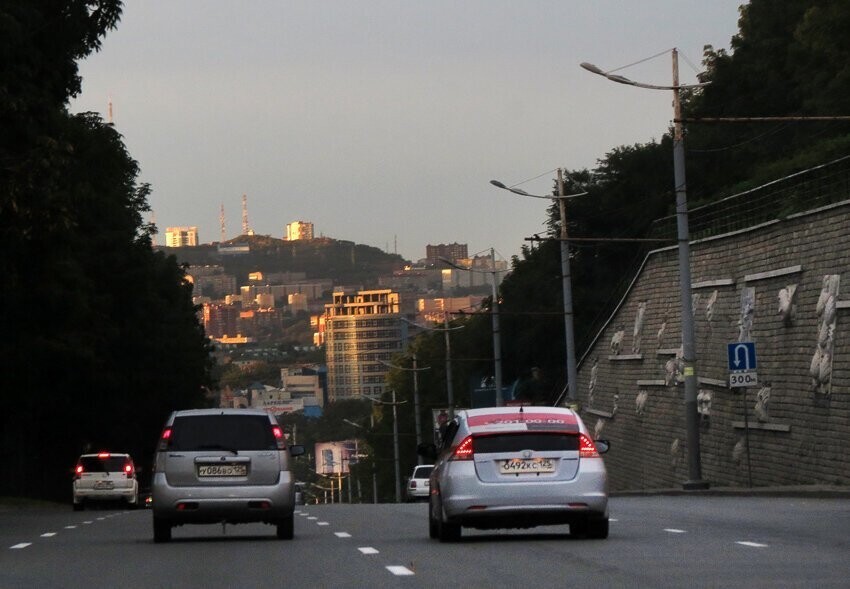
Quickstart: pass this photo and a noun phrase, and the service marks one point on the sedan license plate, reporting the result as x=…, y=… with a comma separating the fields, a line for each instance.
x=222, y=470
x=527, y=466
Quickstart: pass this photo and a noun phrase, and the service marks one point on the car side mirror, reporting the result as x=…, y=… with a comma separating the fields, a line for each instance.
x=296, y=450
x=427, y=450
x=602, y=446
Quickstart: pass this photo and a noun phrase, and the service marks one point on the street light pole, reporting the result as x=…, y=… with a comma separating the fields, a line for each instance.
x=695, y=480
x=567, y=287
x=395, y=441
x=417, y=418
x=566, y=279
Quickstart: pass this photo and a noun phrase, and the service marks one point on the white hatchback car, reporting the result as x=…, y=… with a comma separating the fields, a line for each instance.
x=518, y=467
x=418, y=487
x=105, y=476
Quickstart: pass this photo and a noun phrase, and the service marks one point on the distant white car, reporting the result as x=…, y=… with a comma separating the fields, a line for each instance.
x=518, y=467
x=418, y=487
x=106, y=476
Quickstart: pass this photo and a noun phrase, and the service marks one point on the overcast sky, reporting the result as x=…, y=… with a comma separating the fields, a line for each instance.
x=382, y=122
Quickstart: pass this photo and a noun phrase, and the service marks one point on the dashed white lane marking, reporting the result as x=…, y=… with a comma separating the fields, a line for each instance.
x=312, y=517
x=752, y=544
x=342, y=534
x=399, y=571
x=100, y=519
x=322, y=524
x=21, y=545
x=87, y=523
x=613, y=520
x=70, y=527
x=48, y=534
x=367, y=550
x=304, y=514
x=674, y=531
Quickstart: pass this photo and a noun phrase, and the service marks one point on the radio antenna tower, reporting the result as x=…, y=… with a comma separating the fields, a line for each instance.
x=109, y=110
x=245, y=228
x=221, y=223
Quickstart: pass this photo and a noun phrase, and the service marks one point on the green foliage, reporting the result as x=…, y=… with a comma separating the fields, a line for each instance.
x=102, y=339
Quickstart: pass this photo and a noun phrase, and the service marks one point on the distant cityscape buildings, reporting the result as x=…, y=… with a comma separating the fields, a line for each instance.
x=451, y=252
x=181, y=236
x=362, y=331
x=299, y=230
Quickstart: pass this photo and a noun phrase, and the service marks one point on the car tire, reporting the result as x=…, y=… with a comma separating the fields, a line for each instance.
x=597, y=528
x=134, y=502
x=432, y=522
x=78, y=506
x=286, y=528
x=446, y=531
x=161, y=530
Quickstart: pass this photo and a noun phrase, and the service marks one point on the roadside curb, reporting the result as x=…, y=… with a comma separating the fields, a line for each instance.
x=801, y=491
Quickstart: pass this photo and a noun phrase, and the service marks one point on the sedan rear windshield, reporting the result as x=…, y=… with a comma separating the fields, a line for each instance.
x=222, y=432
x=529, y=441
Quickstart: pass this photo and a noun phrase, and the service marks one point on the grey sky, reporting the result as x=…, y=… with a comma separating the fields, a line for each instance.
x=382, y=122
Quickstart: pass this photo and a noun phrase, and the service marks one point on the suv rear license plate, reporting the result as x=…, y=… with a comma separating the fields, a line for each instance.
x=527, y=465
x=104, y=485
x=222, y=470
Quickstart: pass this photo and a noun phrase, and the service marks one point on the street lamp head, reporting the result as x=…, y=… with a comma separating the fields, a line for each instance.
x=498, y=184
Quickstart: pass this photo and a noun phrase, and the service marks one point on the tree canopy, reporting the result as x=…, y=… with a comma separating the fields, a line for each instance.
x=102, y=340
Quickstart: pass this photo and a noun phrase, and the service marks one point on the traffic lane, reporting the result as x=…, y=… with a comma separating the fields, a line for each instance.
x=736, y=541
x=98, y=546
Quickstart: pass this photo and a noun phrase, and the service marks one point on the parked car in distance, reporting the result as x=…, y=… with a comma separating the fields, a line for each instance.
x=105, y=476
x=418, y=487
x=517, y=467
x=223, y=466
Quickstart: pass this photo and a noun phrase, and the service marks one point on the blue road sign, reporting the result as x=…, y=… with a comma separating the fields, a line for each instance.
x=742, y=356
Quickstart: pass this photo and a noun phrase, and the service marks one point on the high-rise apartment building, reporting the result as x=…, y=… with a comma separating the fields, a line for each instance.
x=447, y=251
x=299, y=230
x=362, y=331
x=181, y=236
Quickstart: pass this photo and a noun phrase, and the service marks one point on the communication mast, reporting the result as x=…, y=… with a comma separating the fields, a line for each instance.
x=221, y=223
x=109, y=110
x=245, y=228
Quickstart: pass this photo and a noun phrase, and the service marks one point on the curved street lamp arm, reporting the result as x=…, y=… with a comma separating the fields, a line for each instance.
x=624, y=80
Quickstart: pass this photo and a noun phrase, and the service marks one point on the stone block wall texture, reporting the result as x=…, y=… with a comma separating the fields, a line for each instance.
x=799, y=433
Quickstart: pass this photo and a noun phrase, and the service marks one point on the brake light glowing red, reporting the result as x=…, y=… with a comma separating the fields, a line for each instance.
x=464, y=450
x=163, y=439
x=128, y=470
x=586, y=447
x=103, y=455
x=278, y=433
x=166, y=433
x=78, y=471
x=279, y=437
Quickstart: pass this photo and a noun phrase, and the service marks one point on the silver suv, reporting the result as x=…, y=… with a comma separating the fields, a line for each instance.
x=517, y=467
x=223, y=466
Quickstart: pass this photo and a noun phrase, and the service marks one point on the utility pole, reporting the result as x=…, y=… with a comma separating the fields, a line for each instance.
x=567, y=288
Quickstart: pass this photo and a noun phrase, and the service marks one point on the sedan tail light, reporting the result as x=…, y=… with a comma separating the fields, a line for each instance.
x=587, y=449
x=464, y=450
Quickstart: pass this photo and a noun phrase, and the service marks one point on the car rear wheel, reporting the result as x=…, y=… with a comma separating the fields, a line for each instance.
x=446, y=531
x=161, y=530
x=432, y=521
x=286, y=528
x=597, y=528
x=78, y=506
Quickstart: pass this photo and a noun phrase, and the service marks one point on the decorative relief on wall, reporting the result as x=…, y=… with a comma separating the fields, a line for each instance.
x=674, y=369
x=594, y=372
x=788, y=304
x=738, y=452
x=617, y=341
x=638, y=330
x=762, y=400
x=695, y=298
x=704, y=399
x=748, y=309
x=821, y=366
x=616, y=404
x=676, y=452
x=709, y=306
x=597, y=429
x=640, y=402
x=659, y=336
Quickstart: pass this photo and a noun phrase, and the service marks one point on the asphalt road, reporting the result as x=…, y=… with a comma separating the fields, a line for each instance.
x=655, y=542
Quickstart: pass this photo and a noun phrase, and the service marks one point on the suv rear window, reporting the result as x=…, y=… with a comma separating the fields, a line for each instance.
x=221, y=432
x=530, y=441
x=96, y=464
x=422, y=472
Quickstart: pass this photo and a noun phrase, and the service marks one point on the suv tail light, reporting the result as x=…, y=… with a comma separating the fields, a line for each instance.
x=128, y=470
x=163, y=440
x=78, y=471
x=464, y=450
x=278, y=437
x=586, y=447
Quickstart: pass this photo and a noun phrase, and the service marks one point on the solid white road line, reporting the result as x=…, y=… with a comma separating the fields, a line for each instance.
x=21, y=545
x=752, y=544
x=367, y=550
